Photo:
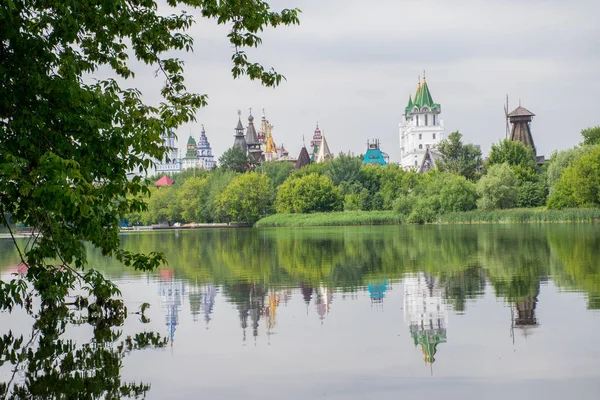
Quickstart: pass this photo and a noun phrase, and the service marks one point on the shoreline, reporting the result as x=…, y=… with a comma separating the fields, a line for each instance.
x=360, y=218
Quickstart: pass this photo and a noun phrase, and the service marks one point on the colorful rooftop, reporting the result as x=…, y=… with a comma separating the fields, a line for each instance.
x=374, y=155
x=422, y=98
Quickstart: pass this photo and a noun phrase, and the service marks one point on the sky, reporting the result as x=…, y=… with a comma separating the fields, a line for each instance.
x=350, y=66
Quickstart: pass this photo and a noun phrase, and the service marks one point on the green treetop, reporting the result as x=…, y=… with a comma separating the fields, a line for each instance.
x=68, y=143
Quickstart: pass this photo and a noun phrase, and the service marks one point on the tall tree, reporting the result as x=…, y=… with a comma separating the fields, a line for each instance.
x=459, y=158
x=68, y=142
x=518, y=156
x=591, y=135
x=236, y=159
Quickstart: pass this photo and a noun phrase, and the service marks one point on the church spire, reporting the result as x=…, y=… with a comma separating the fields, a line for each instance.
x=240, y=140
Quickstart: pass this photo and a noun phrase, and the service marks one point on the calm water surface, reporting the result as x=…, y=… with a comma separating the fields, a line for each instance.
x=490, y=312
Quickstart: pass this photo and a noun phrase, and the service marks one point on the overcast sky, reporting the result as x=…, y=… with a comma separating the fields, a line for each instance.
x=350, y=65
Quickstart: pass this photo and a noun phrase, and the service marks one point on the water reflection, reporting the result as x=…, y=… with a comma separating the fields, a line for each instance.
x=425, y=313
x=318, y=292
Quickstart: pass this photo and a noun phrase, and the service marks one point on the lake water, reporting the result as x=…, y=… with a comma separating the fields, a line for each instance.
x=482, y=312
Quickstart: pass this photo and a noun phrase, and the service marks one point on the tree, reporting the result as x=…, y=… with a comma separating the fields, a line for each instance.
x=277, y=171
x=247, y=198
x=236, y=159
x=68, y=143
x=560, y=160
x=344, y=168
x=518, y=156
x=591, y=136
x=459, y=158
x=498, y=188
x=579, y=185
x=308, y=194
x=190, y=195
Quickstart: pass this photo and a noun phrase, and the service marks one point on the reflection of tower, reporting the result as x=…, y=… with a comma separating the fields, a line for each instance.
x=525, y=314
x=425, y=313
x=323, y=301
x=306, y=294
x=377, y=290
x=209, y=293
x=171, y=292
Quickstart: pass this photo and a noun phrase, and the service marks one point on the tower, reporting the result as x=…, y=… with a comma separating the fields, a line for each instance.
x=171, y=162
x=315, y=143
x=520, y=120
x=191, y=154
x=323, y=154
x=240, y=140
x=252, y=140
x=205, y=151
x=421, y=127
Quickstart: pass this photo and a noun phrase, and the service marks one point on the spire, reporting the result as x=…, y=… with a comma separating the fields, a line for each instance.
x=240, y=140
x=303, y=158
x=423, y=96
x=251, y=136
x=324, y=153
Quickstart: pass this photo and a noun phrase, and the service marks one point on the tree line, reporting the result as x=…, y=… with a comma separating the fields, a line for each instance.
x=510, y=177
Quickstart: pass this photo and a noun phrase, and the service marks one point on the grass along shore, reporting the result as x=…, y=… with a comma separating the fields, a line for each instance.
x=511, y=216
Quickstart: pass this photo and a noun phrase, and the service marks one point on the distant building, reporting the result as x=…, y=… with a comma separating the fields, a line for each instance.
x=164, y=181
x=374, y=155
x=315, y=143
x=198, y=155
x=240, y=140
x=520, y=119
x=324, y=153
x=421, y=127
x=429, y=160
x=207, y=160
x=254, y=146
x=303, y=158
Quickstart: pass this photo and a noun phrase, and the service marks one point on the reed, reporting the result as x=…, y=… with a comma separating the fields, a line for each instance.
x=333, y=219
x=521, y=215
x=512, y=216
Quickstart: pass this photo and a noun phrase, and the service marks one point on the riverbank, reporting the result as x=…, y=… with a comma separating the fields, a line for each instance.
x=512, y=216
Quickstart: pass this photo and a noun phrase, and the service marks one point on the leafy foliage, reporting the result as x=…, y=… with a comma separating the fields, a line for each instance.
x=579, y=185
x=591, y=136
x=518, y=156
x=247, y=198
x=498, y=188
x=277, y=172
x=308, y=194
x=236, y=159
x=459, y=158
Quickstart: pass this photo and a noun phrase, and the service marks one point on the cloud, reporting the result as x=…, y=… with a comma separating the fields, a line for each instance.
x=351, y=65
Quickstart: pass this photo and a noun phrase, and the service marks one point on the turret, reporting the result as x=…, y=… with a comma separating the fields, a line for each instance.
x=520, y=119
x=252, y=140
x=240, y=140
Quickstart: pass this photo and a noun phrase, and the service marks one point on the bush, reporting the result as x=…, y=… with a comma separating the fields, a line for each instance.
x=247, y=198
x=404, y=204
x=498, y=188
x=308, y=194
x=579, y=185
x=425, y=210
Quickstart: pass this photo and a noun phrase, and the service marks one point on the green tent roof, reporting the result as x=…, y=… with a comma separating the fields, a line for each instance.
x=422, y=98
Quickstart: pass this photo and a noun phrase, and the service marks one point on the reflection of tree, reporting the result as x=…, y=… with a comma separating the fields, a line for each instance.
x=575, y=263
x=49, y=366
x=515, y=258
x=516, y=274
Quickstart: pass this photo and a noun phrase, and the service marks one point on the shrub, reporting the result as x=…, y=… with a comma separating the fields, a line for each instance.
x=498, y=188
x=307, y=194
x=247, y=198
x=579, y=185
